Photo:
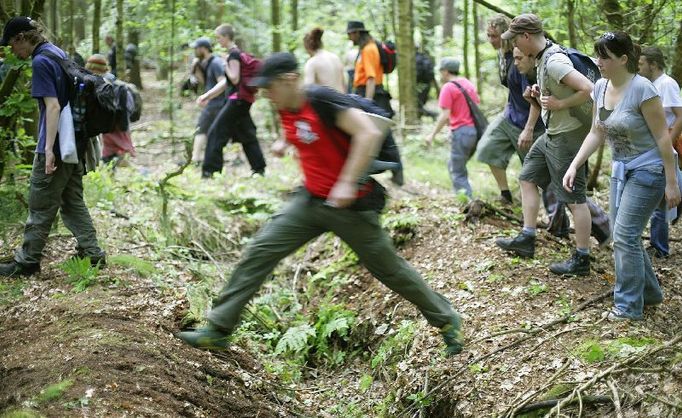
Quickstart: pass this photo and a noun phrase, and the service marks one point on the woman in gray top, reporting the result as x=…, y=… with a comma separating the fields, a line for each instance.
x=629, y=114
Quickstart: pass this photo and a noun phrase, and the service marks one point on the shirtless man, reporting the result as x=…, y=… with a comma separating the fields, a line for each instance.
x=323, y=68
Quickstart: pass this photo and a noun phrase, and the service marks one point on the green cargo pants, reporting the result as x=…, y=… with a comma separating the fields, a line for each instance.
x=62, y=191
x=304, y=219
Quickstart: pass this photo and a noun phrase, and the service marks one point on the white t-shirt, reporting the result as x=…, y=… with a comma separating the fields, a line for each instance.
x=670, y=96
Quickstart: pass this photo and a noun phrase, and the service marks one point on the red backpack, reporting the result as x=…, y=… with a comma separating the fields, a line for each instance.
x=248, y=68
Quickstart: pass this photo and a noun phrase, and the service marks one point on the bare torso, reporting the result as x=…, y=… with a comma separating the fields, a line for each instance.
x=326, y=69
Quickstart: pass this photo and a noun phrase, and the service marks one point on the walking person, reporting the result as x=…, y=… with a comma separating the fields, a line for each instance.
x=369, y=74
x=55, y=186
x=456, y=114
x=324, y=68
x=234, y=119
x=335, y=142
x=628, y=113
x=210, y=71
x=513, y=131
x=560, y=87
x=652, y=66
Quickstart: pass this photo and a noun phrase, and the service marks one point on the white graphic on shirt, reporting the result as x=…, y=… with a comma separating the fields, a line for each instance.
x=304, y=132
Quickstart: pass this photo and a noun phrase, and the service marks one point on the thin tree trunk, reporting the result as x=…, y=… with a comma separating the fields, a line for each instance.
x=26, y=7
x=79, y=23
x=135, y=76
x=275, y=20
x=465, y=47
x=676, y=70
x=570, y=21
x=54, y=28
x=426, y=27
x=120, y=44
x=67, y=35
x=407, y=72
x=477, y=52
x=448, y=19
x=96, y=22
x=294, y=24
x=613, y=14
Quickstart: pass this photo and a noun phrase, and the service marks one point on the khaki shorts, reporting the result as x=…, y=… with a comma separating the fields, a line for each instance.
x=547, y=162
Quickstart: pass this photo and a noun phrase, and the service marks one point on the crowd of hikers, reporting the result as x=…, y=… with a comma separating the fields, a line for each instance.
x=336, y=116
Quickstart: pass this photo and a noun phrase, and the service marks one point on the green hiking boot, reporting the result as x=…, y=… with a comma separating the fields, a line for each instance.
x=452, y=335
x=207, y=338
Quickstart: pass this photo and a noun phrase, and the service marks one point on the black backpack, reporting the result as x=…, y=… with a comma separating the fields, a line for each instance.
x=587, y=67
x=388, y=56
x=388, y=157
x=97, y=105
x=424, y=68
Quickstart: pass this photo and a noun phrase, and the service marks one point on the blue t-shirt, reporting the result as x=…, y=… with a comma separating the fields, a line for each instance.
x=518, y=108
x=48, y=80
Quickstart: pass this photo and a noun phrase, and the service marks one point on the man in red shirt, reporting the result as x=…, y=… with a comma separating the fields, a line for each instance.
x=335, y=143
x=455, y=111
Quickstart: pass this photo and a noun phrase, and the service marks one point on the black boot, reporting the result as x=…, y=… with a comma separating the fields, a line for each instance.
x=99, y=259
x=577, y=265
x=15, y=269
x=522, y=245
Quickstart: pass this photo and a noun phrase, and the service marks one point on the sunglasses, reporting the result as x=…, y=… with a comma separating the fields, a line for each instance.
x=609, y=36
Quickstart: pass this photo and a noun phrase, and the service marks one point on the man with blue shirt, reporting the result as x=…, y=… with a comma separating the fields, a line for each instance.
x=209, y=70
x=55, y=185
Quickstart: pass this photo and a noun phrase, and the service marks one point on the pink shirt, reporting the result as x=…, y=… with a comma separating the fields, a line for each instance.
x=452, y=98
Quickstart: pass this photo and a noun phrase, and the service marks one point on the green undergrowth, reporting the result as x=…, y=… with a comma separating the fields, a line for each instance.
x=595, y=351
x=141, y=267
x=80, y=273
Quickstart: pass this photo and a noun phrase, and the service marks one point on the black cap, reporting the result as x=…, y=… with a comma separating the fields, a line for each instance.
x=355, y=26
x=202, y=42
x=14, y=27
x=275, y=65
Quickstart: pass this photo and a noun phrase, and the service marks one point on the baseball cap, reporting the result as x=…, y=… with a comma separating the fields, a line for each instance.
x=275, y=65
x=202, y=42
x=451, y=65
x=14, y=27
x=525, y=23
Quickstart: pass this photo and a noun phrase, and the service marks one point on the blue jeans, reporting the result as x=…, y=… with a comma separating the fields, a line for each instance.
x=636, y=283
x=659, y=232
x=463, y=144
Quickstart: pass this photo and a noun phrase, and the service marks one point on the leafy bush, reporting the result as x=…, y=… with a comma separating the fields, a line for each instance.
x=80, y=273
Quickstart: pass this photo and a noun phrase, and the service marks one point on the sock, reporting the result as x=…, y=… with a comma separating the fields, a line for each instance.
x=528, y=231
x=583, y=251
x=506, y=194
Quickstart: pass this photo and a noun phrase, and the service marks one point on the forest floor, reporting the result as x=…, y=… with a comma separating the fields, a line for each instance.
x=323, y=338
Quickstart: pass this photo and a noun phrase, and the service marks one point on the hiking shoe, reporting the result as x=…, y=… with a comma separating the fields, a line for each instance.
x=522, y=245
x=99, y=259
x=616, y=314
x=206, y=338
x=655, y=252
x=206, y=175
x=16, y=269
x=452, y=335
x=577, y=265
x=397, y=177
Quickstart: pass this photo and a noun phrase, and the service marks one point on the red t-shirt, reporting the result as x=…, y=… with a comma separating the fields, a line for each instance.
x=322, y=148
x=452, y=98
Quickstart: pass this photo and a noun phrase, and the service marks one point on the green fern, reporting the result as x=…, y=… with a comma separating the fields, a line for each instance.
x=81, y=273
x=295, y=340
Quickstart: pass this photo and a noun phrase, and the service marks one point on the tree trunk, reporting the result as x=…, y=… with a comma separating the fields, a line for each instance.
x=570, y=21
x=54, y=24
x=448, y=19
x=96, y=22
x=79, y=23
x=67, y=34
x=407, y=72
x=276, y=17
x=676, y=70
x=426, y=26
x=465, y=47
x=294, y=24
x=134, y=76
x=26, y=7
x=120, y=44
x=7, y=10
x=37, y=9
x=477, y=52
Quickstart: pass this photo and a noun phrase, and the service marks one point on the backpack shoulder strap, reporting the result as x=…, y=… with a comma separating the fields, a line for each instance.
x=313, y=96
x=464, y=92
x=56, y=58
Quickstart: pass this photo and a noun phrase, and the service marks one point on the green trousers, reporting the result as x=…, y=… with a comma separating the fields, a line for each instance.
x=61, y=191
x=304, y=219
